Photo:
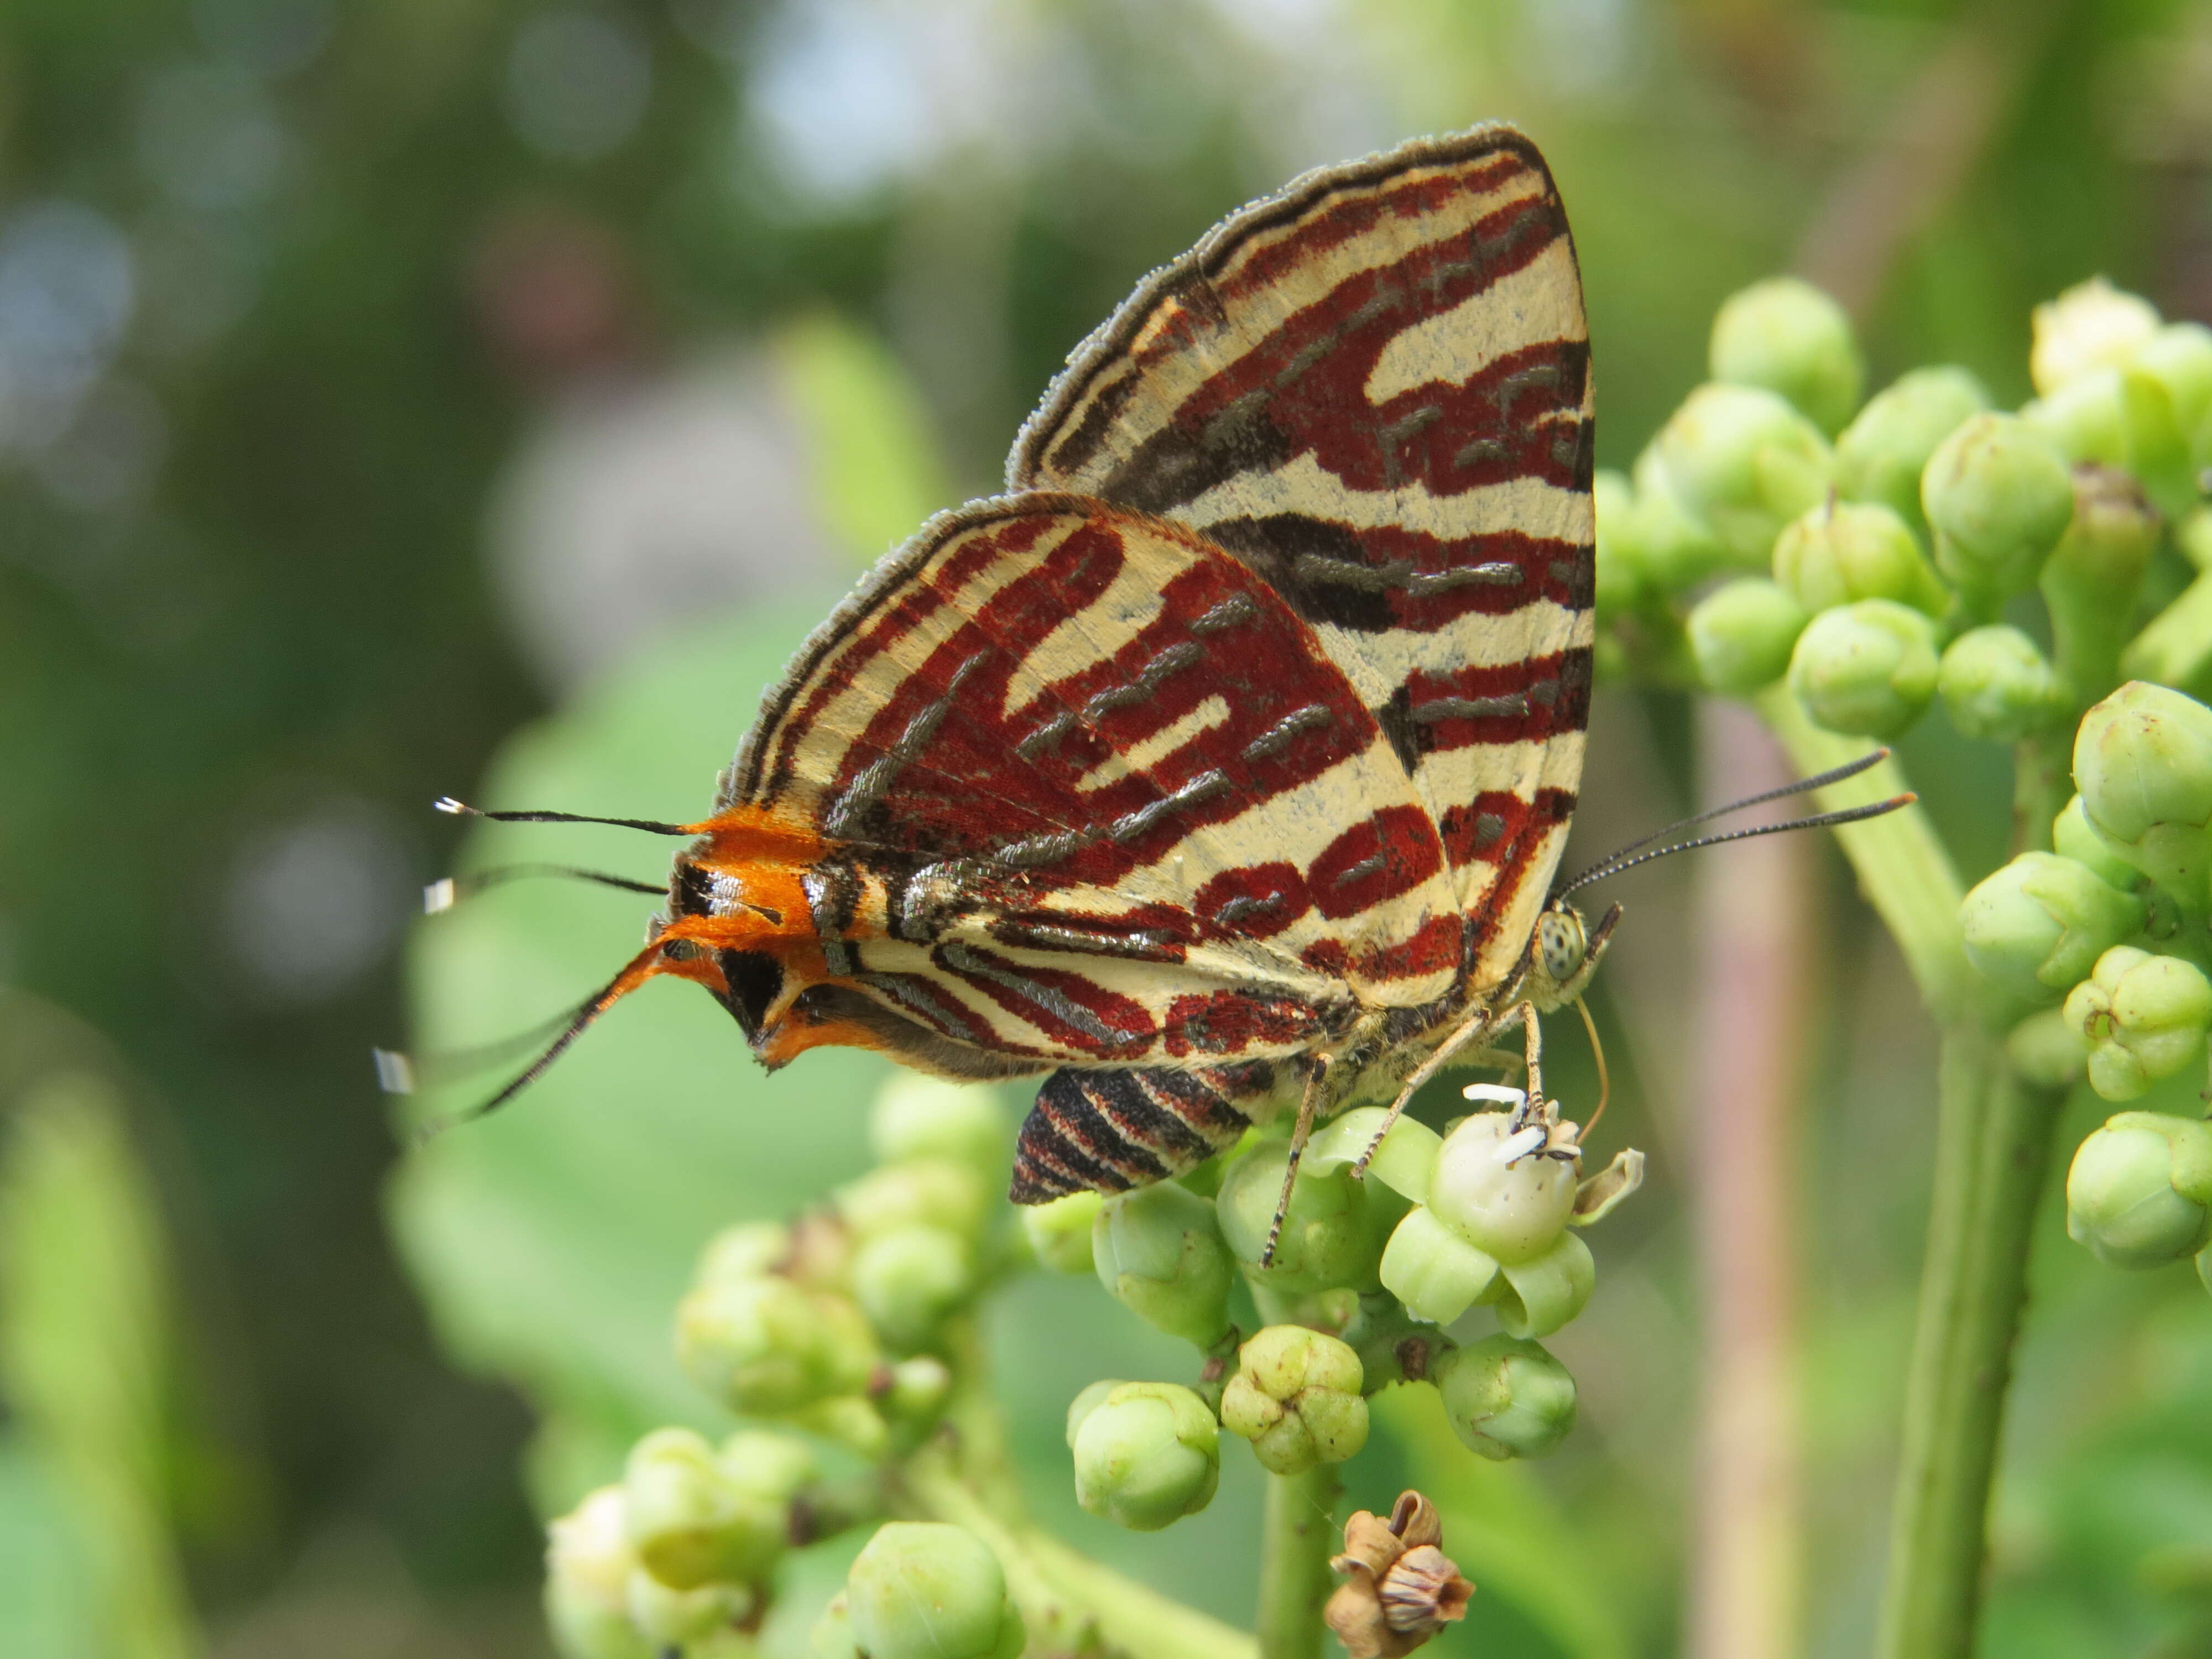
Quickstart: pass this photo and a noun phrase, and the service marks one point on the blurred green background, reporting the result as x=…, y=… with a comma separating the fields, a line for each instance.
x=423, y=396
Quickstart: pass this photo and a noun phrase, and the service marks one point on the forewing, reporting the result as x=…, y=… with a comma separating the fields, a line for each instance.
x=1374, y=389
x=1098, y=795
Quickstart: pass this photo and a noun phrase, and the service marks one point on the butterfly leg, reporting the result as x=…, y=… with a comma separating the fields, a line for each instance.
x=1536, y=1106
x=1301, y=1132
x=1478, y=1025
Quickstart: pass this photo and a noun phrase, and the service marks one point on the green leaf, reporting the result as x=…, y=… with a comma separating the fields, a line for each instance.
x=85, y=1353
x=877, y=475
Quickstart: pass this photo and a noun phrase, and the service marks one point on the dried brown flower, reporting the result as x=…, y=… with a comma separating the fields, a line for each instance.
x=1400, y=1588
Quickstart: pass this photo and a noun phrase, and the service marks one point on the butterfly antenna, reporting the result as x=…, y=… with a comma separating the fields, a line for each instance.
x=443, y=895
x=1819, y=821
x=1835, y=775
x=651, y=826
x=635, y=973
x=399, y=1073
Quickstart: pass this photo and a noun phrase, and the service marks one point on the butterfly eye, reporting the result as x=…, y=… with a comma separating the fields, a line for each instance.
x=1561, y=944
x=680, y=950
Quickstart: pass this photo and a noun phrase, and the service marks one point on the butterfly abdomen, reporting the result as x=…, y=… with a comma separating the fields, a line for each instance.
x=1107, y=1131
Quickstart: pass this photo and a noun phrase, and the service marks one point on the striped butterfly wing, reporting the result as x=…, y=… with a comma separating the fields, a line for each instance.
x=1094, y=794
x=1374, y=389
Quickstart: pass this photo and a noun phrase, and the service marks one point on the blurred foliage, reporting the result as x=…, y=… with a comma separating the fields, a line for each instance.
x=84, y=1328
x=244, y=631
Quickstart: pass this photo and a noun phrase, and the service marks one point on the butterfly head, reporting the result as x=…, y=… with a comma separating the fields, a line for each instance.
x=1564, y=953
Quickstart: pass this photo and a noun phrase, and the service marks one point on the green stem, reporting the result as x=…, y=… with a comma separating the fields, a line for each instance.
x=1134, y=1620
x=2042, y=783
x=1901, y=863
x=1069, y=1603
x=2175, y=647
x=1298, y=1535
x=1992, y=1153
x=1993, y=1150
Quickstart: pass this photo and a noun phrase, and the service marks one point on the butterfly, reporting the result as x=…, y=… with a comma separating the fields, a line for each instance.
x=1227, y=758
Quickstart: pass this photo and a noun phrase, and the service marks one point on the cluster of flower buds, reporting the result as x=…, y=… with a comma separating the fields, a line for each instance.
x=922, y=1589
x=835, y=1325
x=1779, y=540
x=677, y=1558
x=2107, y=934
x=1354, y=1279
x=1777, y=531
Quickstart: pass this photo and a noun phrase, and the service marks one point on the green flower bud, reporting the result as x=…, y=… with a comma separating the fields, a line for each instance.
x=2138, y=1190
x=2144, y=1017
x=1088, y=1401
x=1622, y=583
x=923, y=1590
x=1866, y=670
x=1436, y=1273
x=907, y=1281
x=1296, y=1397
x=2175, y=647
x=1146, y=1454
x=1507, y=1397
x=1494, y=1195
x=2046, y=1050
x=919, y=1388
x=1743, y=633
x=2143, y=760
x=1403, y=1163
x=745, y=1251
x=1881, y=453
x=1998, y=494
x=723, y=1642
x=2038, y=924
x=2123, y=419
x=851, y=1420
x=689, y=1524
x=1672, y=547
x=1160, y=1251
x=588, y=1563
x=1060, y=1232
x=2092, y=326
x=1332, y=1233
x=1746, y=463
x=832, y=1636
x=2093, y=577
x=2071, y=836
x=923, y=1192
x=1537, y=1297
x=917, y=1118
x=1787, y=336
x=2180, y=358
x=675, y=1618
x=1841, y=551
x=1995, y=685
x=767, y=1464
x=765, y=1346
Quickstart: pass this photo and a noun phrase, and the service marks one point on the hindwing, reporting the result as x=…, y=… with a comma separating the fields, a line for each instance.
x=1373, y=389
x=1091, y=791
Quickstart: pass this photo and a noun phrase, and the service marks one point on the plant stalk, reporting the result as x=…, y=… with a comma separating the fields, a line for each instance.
x=1298, y=1535
x=1070, y=1603
x=1993, y=1154
x=1065, y=1599
x=1902, y=866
